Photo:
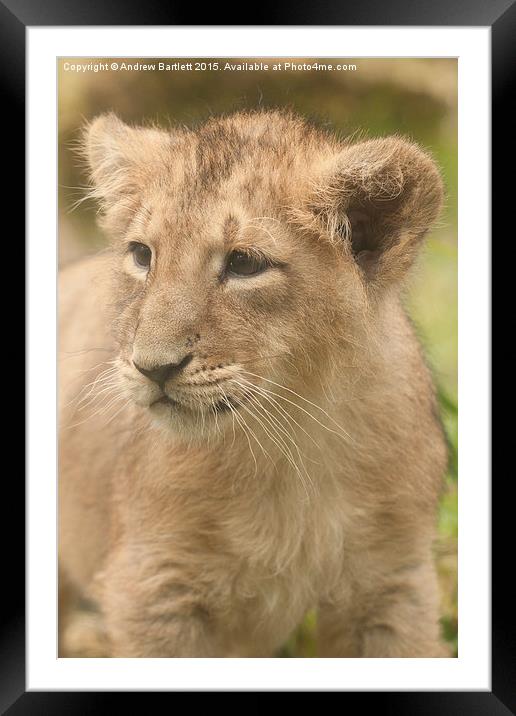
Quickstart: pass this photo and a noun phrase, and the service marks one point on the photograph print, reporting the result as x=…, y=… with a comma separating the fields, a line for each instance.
x=257, y=357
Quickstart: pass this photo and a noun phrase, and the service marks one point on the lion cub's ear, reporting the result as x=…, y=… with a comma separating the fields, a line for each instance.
x=380, y=197
x=120, y=158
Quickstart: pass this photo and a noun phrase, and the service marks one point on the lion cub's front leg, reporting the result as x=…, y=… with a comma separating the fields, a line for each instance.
x=153, y=608
x=388, y=614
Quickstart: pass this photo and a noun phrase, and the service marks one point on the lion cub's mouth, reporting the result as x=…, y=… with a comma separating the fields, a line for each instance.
x=164, y=400
x=226, y=404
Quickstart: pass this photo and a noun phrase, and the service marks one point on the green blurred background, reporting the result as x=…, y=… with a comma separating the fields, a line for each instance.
x=413, y=97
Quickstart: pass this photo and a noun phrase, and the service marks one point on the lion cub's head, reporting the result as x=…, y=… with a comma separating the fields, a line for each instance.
x=248, y=253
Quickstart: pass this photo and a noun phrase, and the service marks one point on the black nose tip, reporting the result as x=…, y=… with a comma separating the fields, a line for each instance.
x=161, y=373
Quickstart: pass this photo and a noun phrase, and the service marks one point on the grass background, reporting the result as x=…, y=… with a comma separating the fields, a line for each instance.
x=413, y=97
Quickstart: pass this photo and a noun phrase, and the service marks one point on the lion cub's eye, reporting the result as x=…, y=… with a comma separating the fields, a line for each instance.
x=241, y=263
x=142, y=254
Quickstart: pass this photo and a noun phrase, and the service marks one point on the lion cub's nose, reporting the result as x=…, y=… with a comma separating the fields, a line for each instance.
x=161, y=373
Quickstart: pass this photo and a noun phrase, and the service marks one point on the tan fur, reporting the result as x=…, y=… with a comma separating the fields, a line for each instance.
x=207, y=532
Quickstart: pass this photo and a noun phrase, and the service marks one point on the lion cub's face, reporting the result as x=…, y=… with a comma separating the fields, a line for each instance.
x=245, y=254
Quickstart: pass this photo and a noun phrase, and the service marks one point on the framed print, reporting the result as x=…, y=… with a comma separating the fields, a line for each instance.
x=258, y=364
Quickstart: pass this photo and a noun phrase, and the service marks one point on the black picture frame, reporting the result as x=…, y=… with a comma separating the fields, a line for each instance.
x=15, y=17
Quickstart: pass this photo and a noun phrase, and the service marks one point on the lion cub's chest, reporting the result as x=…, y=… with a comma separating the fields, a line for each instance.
x=287, y=554
x=255, y=558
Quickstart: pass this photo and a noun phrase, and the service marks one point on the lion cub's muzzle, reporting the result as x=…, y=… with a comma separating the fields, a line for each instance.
x=187, y=385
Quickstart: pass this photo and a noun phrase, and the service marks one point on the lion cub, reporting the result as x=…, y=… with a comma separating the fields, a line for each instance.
x=248, y=428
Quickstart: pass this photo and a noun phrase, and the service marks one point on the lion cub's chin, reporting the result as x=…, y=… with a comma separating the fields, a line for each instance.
x=194, y=424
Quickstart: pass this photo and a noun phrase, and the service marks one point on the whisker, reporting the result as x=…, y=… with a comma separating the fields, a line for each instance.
x=126, y=402
x=264, y=451
x=227, y=402
x=258, y=419
x=287, y=452
x=269, y=397
x=267, y=412
x=103, y=378
x=100, y=411
x=278, y=440
x=260, y=228
x=107, y=389
x=241, y=422
x=309, y=402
